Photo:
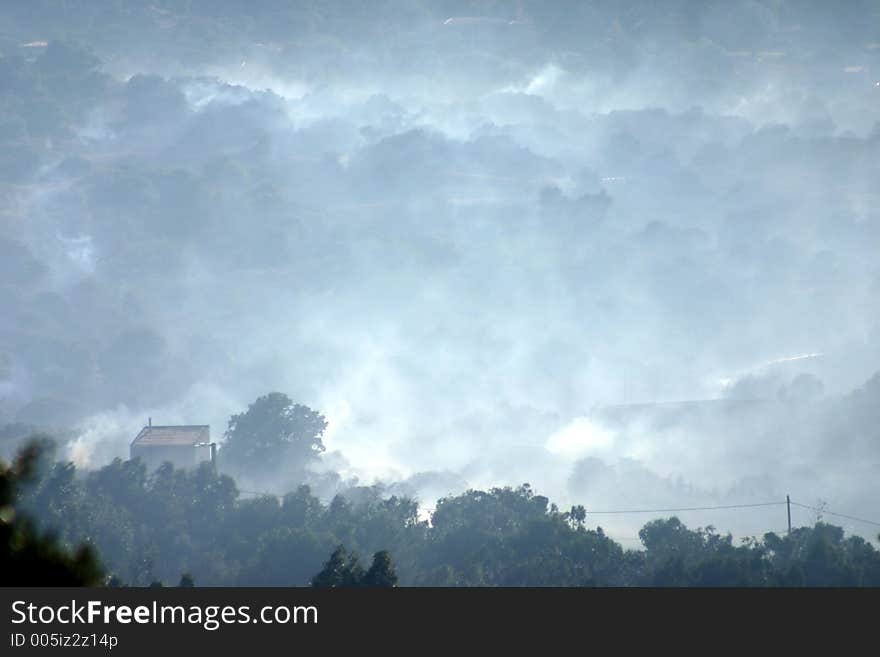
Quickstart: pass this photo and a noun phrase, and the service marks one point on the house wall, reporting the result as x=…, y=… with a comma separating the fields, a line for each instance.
x=180, y=456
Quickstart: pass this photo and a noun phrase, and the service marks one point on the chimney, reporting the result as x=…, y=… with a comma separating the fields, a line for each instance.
x=149, y=421
x=214, y=454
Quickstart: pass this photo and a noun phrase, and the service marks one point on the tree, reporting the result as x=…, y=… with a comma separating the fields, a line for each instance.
x=381, y=573
x=27, y=557
x=577, y=516
x=151, y=528
x=273, y=432
x=340, y=570
x=343, y=570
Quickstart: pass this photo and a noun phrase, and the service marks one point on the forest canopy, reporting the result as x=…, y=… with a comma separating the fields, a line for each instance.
x=193, y=526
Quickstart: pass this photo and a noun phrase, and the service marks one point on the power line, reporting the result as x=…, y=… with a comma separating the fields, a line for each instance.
x=686, y=508
x=689, y=508
x=720, y=507
x=258, y=493
x=833, y=513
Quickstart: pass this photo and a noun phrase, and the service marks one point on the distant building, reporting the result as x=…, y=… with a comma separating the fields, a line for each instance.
x=184, y=446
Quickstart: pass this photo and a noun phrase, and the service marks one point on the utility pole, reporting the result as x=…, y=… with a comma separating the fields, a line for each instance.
x=788, y=507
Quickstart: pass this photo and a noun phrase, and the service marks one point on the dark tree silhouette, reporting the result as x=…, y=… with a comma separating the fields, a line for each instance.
x=27, y=557
x=381, y=573
x=343, y=570
x=340, y=570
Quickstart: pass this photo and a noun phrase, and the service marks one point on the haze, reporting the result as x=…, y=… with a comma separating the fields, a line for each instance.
x=493, y=243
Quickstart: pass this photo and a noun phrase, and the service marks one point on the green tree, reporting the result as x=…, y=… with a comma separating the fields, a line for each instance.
x=273, y=432
x=340, y=570
x=27, y=557
x=381, y=573
x=343, y=570
x=577, y=516
x=301, y=507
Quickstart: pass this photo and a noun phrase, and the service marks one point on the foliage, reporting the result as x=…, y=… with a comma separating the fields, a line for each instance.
x=271, y=432
x=150, y=527
x=27, y=557
x=343, y=570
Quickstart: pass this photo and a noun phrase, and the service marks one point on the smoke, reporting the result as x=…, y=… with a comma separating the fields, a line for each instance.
x=580, y=438
x=505, y=256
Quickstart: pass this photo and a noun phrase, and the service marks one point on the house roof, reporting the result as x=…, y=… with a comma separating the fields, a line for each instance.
x=165, y=436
